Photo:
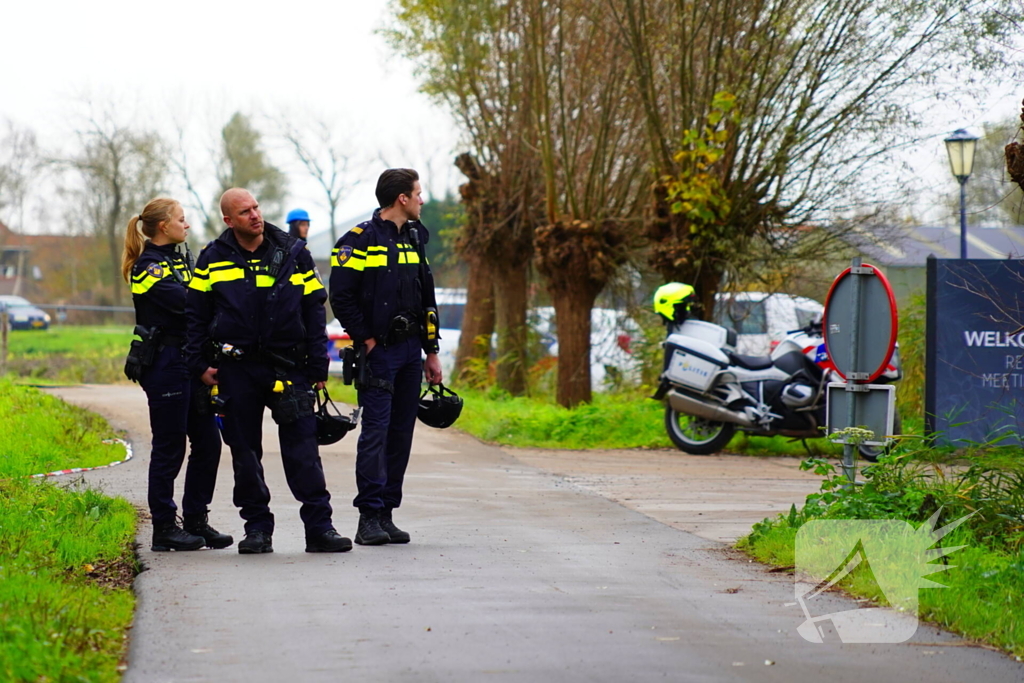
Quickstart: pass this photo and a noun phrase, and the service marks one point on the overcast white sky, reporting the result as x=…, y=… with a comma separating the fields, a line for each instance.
x=201, y=61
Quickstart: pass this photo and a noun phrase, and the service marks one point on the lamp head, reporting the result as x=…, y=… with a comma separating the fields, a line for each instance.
x=960, y=146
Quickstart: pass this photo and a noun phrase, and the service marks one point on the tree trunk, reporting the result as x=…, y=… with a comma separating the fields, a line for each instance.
x=707, y=282
x=510, y=293
x=577, y=258
x=572, y=316
x=115, y=262
x=477, y=319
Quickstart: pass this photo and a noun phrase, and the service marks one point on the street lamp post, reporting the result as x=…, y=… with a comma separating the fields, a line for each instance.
x=960, y=146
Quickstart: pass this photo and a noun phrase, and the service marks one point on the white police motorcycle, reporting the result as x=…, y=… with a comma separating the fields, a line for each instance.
x=710, y=391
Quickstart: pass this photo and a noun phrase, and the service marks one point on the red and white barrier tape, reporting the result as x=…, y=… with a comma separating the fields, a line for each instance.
x=75, y=470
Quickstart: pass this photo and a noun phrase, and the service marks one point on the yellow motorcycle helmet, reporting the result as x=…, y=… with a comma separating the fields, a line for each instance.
x=672, y=301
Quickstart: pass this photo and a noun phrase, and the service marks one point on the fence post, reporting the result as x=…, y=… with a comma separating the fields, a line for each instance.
x=3, y=342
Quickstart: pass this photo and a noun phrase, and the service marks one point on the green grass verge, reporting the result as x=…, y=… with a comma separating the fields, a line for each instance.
x=627, y=419
x=41, y=433
x=70, y=353
x=982, y=599
x=66, y=556
x=613, y=420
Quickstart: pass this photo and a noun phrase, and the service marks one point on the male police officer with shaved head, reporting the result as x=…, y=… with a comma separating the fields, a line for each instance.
x=382, y=291
x=257, y=334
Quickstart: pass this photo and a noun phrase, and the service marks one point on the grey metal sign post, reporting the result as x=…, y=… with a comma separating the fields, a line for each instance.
x=860, y=329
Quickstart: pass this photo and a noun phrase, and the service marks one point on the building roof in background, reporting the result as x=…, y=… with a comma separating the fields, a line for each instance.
x=319, y=238
x=911, y=246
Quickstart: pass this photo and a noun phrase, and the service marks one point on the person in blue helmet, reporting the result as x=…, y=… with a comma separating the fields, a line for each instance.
x=298, y=223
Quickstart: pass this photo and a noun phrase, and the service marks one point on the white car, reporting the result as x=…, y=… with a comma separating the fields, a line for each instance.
x=611, y=335
x=761, y=320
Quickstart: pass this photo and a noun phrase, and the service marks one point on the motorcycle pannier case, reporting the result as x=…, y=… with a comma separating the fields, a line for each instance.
x=693, y=362
x=713, y=334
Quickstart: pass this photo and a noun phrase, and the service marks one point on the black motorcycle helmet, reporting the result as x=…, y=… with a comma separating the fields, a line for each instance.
x=439, y=410
x=331, y=427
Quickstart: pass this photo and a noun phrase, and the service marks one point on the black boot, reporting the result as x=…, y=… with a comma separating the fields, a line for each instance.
x=369, y=531
x=255, y=543
x=329, y=541
x=170, y=536
x=199, y=525
x=394, y=533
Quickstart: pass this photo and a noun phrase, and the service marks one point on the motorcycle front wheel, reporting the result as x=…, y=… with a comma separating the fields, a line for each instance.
x=695, y=435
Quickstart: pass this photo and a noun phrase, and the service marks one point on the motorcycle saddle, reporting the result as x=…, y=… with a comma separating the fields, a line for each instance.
x=751, y=362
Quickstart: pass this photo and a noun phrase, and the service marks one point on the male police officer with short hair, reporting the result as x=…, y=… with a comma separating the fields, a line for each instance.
x=257, y=334
x=382, y=291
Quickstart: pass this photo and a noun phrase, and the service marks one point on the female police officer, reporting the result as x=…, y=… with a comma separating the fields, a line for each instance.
x=159, y=275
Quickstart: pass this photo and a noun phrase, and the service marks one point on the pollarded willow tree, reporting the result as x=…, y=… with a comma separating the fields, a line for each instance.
x=469, y=55
x=820, y=88
x=591, y=149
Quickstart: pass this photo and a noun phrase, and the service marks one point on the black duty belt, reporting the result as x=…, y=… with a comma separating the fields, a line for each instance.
x=283, y=358
x=399, y=334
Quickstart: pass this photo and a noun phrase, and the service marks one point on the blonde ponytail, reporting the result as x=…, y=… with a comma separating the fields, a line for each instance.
x=140, y=228
x=133, y=245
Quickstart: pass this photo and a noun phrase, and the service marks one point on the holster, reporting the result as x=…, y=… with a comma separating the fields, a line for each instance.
x=142, y=352
x=349, y=362
x=201, y=400
x=360, y=371
x=291, y=404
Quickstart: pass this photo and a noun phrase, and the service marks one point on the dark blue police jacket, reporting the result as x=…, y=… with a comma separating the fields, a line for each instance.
x=160, y=279
x=365, y=294
x=236, y=299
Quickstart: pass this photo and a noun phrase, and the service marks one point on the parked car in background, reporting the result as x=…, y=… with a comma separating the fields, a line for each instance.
x=22, y=315
x=612, y=334
x=761, y=320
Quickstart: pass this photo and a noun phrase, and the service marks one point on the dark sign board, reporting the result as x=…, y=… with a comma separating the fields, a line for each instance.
x=974, y=381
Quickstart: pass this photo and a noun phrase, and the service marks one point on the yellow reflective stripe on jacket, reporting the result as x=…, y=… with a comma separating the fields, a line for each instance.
x=145, y=284
x=408, y=257
x=376, y=257
x=355, y=261
x=200, y=281
x=264, y=281
x=145, y=280
x=226, y=275
x=308, y=281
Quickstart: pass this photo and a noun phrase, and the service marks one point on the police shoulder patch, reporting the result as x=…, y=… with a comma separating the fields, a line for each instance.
x=357, y=230
x=344, y=253
x=155, y=269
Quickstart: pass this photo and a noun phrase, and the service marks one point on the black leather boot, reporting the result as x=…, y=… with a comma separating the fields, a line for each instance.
x=369, y=531
x=199, y=525
x=255, y=543
x=329, y=541
x=394, y=533
x=170, y=536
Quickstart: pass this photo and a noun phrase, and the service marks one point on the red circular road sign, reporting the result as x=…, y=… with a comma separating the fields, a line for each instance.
x=877, y=324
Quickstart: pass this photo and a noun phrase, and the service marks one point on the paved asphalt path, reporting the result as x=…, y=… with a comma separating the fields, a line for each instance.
x=514, y=574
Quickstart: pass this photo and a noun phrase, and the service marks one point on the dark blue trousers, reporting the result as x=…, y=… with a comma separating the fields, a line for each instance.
x=385, y=441
x=247, y=388
x=173, y=418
